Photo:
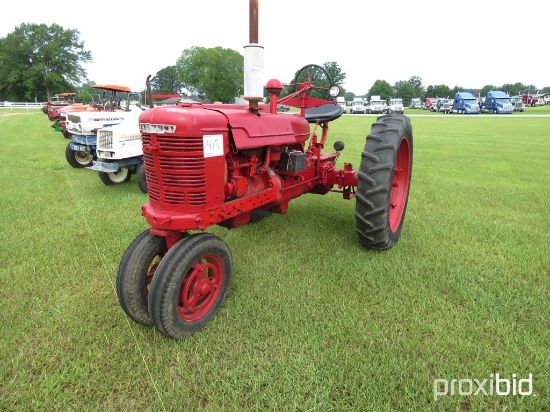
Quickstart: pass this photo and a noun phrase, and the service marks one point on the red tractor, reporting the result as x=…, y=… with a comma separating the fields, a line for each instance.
x=61, y=100
x=219, y=164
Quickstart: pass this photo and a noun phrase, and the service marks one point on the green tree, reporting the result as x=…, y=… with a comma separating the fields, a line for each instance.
x=380, y=88
x=440, y=90
x=336, y=74
x=405, y=90
x=512, y=89
x=84, y=96
x=455, y=90
x=487, y=88
x=349, y=96
x=215, y=73
x=167, y=81
x=37, y=61
x=86, y=93
x=416, y=82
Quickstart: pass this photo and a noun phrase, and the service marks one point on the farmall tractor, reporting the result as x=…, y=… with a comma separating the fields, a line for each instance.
x=218, y=164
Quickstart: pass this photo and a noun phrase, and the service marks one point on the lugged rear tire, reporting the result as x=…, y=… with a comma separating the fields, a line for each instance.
x=384, y=181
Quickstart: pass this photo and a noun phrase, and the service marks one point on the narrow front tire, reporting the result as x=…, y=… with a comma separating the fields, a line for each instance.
x=190, y=285
x=136, y=270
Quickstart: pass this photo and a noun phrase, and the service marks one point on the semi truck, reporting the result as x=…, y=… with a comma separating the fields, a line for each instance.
x=376, y=105
x=465, y=103
x=429, y=102
x=517, y=103
x=341, y=100
x=415, y=103
x=530, y=99
x=497, y=102
x=441, y=105
x=357, y=106
x=396, y=106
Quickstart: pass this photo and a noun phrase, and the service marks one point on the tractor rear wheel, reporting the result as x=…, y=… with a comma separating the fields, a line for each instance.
x=190, y=285
x=78, y=159
x=116, y=178
x=137, y=268
x=384, y=181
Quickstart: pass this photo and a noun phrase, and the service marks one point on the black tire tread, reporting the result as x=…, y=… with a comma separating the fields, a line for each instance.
x=131, y=275
x=167, y=282
x=375, y=178
x=105, y=177
x=70, y=157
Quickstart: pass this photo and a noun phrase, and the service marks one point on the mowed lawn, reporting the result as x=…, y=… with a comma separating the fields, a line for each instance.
x=312, y=321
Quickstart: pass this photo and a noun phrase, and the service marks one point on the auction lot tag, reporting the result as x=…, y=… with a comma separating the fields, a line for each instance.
x=212, y=145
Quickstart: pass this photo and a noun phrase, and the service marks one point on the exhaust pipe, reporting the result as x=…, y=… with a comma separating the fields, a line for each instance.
x=253, y=61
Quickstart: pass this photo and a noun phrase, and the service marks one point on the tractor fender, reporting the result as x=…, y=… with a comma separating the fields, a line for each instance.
x=252, y=130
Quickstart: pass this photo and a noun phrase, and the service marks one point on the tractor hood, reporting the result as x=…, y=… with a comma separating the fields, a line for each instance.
x=249, y=130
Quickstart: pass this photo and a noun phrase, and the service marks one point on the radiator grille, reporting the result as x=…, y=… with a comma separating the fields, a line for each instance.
x=104, y=140
x=176, y=171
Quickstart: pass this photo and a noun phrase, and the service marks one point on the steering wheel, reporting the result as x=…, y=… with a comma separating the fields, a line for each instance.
x=317, y=76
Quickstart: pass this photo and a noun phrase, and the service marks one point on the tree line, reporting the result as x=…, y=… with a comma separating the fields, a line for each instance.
x=37, y=61
x=413, y=88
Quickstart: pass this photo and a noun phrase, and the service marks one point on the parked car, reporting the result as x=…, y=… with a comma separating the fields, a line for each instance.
x=283, y=108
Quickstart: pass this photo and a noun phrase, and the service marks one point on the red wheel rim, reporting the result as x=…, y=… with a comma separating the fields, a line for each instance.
x=200, y=288
x=400, y=184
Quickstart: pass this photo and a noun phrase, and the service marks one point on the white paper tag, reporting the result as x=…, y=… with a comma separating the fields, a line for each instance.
x=212, y=145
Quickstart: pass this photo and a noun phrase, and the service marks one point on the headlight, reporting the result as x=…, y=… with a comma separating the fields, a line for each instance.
x=334, y=90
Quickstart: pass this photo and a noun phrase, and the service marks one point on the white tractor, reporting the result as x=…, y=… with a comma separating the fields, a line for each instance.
x=121, y=106
x=120, y=154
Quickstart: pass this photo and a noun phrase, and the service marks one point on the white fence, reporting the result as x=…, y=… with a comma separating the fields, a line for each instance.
x=20, y=105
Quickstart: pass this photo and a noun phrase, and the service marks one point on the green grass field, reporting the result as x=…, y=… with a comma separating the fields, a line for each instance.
x=312, y=321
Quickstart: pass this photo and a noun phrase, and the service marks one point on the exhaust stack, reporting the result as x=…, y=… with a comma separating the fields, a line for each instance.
x=253, y=61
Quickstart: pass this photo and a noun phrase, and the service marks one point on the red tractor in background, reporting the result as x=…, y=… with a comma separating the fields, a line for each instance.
x=218, y=164
x=60, y=100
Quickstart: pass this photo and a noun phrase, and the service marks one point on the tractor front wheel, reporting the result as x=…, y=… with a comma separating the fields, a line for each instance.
x=78, y=159
x=384, y=180
x=190, y=285
x=137, y=268
x=116, y=178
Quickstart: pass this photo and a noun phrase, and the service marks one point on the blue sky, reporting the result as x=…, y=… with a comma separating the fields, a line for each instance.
x=467, y=43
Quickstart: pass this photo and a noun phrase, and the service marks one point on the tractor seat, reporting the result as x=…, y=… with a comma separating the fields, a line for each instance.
x=324, y=113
